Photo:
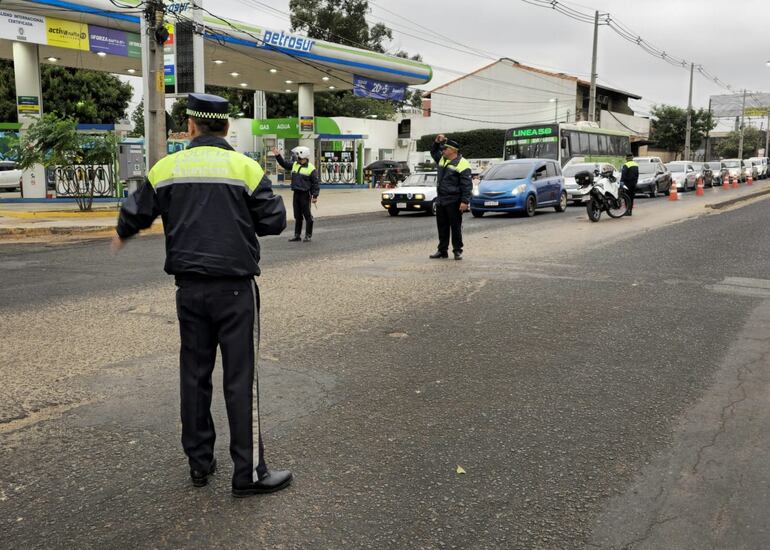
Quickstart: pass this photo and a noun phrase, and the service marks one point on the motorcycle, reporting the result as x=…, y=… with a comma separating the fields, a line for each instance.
x=604, y=194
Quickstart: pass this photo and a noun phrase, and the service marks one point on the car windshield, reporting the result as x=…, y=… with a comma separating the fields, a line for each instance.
x=648, y=168
x=509, y=171
x=675, y=167
x=731, y=163
x=572, y=169
x=419, y=180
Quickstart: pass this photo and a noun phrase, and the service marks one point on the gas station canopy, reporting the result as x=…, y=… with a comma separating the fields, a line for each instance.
x=98, y=35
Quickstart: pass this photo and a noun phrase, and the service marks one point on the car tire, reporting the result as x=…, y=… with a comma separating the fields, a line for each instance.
x=477, y=213
x=393, y=211
x=654, y=191
x=530, y=206
x=432, y=211
x=562, y=206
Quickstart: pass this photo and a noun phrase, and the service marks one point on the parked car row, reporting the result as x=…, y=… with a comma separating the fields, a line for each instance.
x=525, y=185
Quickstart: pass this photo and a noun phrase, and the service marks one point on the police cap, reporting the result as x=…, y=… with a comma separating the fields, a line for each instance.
x=207, y=106
x=451, y=143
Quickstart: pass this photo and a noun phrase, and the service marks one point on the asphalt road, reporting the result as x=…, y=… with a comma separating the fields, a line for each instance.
x=553, y=366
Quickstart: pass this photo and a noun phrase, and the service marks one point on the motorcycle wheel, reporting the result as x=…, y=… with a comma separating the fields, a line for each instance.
x=594, y=209
x=619, y=208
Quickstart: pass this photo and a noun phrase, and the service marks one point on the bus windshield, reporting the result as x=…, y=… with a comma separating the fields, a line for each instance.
x=532, y=142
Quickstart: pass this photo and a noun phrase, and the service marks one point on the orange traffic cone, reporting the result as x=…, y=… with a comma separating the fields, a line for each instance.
x=699, y=188
x=726, y=182
x=750, y=180
x=735, y=182
x=673, y=195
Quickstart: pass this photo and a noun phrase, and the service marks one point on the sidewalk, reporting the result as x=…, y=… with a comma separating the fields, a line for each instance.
x=22, y=220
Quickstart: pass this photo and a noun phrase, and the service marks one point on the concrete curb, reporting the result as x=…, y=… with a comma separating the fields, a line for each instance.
x=730, y=202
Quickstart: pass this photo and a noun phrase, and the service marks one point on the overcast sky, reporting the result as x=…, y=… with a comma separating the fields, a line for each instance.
x=728, y=37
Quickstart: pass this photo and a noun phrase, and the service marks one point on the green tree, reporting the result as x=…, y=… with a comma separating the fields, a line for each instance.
x=753, y=140
x=54, y=141
x=85, y=95
x=137, y=117
x=669, y=126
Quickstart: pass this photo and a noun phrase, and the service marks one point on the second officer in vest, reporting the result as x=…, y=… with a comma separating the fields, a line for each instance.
x=629, y=176
x=453, y=195
x=304, y=183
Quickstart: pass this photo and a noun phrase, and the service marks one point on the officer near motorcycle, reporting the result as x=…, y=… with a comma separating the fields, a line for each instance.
x=214, y=203
x=453, y=195
x=305, y=184
x=629, y=176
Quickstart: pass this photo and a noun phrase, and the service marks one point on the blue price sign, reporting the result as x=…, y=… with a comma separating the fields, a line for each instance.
x=367, y=87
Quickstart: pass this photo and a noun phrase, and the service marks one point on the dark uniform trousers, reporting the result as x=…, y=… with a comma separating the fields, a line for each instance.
x=220, y=312
x=449, y=219
x=302, y=210
x=631, y=193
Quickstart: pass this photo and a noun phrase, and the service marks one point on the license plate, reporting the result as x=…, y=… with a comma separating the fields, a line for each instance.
x=401, y=205
x=491, y=203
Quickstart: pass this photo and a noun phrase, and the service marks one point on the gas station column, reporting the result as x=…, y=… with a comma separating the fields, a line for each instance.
x=29, y=106
x=306, y=108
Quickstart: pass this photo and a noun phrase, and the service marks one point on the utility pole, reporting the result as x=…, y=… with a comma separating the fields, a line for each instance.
x=153, y=35
x=592, y=98
x=740, y=129
x=707, y=155
x=688, y=131
x=767, y=135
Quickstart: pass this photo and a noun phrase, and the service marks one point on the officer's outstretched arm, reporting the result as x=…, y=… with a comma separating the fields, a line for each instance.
x=285, y=165
x=138, y=211
x=435, y=151
x=267, y=210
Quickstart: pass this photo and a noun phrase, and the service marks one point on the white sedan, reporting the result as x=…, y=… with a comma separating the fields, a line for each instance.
x=417, y=193
x=10, y=175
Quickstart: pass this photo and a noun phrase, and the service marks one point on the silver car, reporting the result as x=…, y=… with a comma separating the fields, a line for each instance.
x=761, y=164
x=683, y=175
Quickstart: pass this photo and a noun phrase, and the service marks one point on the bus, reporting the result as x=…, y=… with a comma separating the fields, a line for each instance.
x=582, y=141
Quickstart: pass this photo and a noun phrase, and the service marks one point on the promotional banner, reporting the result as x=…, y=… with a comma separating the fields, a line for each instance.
x=134, y=45
x=376, y=89
x=22, y=27
x=67, y=34
x=110, y=41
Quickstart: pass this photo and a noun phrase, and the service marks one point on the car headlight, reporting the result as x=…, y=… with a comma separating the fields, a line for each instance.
x=475, y=192
x=419, y=197
x=519, y=189
x=387, y=196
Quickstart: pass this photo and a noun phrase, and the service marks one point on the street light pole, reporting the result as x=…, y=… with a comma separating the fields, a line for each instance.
x=152, y=31
x=688, y=131
x=555, y=100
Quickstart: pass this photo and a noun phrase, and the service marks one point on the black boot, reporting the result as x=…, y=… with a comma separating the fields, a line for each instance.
x=308, y=238
x=438, y=255
x=201, y=477
x=273, y=481
x=458, y=255
x=295, y=239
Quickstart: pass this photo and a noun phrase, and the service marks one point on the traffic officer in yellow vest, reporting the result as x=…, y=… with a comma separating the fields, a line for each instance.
x=214, y=202
x=629, y=176
x=453, y=195
x=304, y=183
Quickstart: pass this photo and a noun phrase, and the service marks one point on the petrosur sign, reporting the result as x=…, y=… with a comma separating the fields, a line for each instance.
x=283, y=40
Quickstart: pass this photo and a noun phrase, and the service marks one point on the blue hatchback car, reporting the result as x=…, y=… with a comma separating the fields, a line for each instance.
x=521, y=185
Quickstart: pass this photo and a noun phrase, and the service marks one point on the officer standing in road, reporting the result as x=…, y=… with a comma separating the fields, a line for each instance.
x=214, y=202
x=453, y=195
x=304, y=183
x=629, y=176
